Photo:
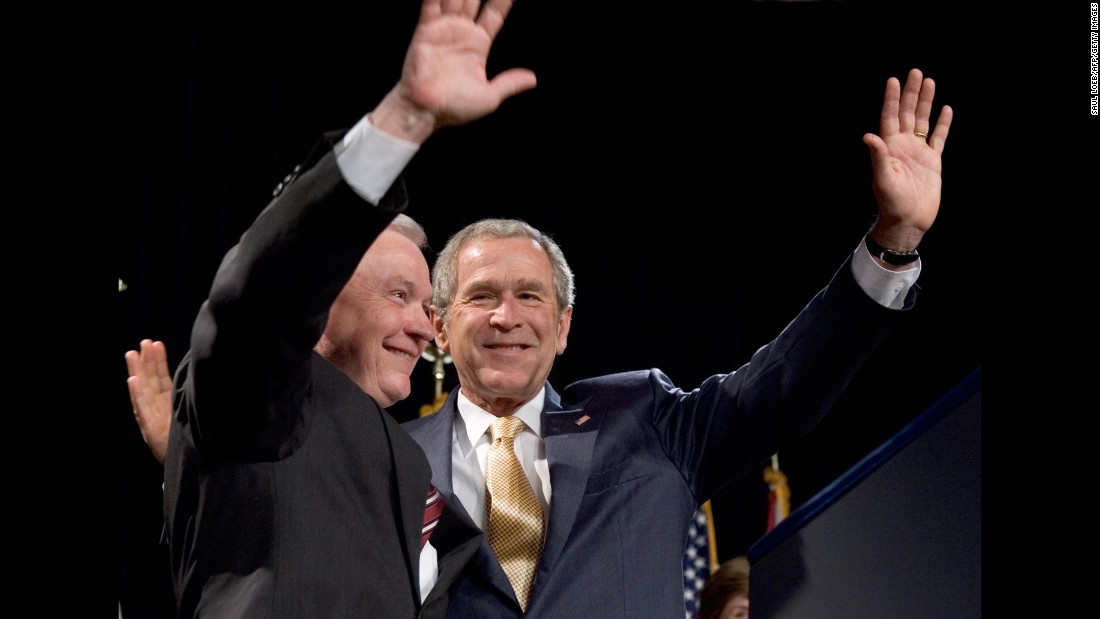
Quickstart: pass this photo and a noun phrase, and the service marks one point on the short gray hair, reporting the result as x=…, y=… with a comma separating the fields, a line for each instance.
x=445, y=271
x=408, y=227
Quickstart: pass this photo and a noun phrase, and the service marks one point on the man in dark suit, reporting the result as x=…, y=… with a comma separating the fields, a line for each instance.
x=618, y=464
x=289, y=490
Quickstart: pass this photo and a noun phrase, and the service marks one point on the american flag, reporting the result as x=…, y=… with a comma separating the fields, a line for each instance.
x=697, y=559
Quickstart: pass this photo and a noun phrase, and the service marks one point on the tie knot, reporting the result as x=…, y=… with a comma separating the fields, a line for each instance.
x=506, y=427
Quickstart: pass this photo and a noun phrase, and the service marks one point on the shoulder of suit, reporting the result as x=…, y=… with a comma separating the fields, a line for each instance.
x=608, y=384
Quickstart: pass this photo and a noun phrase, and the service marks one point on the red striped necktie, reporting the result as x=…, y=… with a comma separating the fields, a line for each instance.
x=433, y=508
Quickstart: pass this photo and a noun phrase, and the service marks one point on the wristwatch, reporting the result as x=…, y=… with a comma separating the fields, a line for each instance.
x=889, y=256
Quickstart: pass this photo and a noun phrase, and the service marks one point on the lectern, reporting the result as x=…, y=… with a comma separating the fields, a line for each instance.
x=898, y=535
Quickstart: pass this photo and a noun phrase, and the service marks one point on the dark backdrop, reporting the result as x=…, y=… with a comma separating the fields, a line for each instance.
x=699, y=163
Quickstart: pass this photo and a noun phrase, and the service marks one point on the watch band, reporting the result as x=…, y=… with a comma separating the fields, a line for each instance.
x=889, y=256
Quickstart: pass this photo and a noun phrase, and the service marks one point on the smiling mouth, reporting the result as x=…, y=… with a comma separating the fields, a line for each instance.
x=403, y=354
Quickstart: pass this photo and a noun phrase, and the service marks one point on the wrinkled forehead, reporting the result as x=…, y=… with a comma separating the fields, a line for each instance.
x=512, y=254
x=394, y=258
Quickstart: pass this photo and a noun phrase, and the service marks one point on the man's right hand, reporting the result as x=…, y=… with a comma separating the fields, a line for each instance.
x=443, y=81
x=150, y=386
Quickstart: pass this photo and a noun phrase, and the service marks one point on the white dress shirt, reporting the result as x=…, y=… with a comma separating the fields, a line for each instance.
x=470, y=444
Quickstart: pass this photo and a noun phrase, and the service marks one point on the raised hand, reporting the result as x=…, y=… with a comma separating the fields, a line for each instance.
x=150, y=387
x=444, y=81
x=906, y=162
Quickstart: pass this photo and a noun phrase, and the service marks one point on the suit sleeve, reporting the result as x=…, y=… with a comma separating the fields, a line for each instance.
x=247, y=373
x=736, y=421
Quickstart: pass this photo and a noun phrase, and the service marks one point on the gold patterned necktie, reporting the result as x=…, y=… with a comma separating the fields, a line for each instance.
x=515, y=515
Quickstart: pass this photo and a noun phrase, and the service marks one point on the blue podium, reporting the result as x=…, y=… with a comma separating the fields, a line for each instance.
x=896, y=536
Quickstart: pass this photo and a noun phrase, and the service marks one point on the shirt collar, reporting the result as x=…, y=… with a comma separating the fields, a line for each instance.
x=477, y=421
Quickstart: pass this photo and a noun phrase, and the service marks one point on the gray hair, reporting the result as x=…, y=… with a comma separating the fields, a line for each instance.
x=408, y=227
x=445, y=271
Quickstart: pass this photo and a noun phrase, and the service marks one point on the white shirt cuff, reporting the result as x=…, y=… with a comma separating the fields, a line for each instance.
x=887, y=288
x=371, y=160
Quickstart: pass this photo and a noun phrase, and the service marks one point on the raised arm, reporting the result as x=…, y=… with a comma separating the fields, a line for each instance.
x=906, y=162
x=246, y=374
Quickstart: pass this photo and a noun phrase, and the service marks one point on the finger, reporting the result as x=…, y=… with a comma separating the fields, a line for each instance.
x=159, y=356
x=943, y=124
x=133, y=362
x=430, y=10
x=493, y=14
x=134, y=358
x=133, y=385
x=909, y=96
x=453, y=7
x=154, y=371
x=888, y=120
x=148, y=361
x=924, y=106
x=512, y=82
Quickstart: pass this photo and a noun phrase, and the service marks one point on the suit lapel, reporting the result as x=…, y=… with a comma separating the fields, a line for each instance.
x=456, y=539
x=569, y=436
x=412, y=491
x=434, y=437
x=410, y=475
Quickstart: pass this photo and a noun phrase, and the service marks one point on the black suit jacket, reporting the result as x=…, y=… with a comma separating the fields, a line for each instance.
x=288, y=491
x=632, y=456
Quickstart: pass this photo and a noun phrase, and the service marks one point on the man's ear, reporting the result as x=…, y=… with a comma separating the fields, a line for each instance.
x=440, y=331
x=564, y=322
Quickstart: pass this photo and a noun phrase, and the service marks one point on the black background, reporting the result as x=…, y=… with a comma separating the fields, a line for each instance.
x=700, y=164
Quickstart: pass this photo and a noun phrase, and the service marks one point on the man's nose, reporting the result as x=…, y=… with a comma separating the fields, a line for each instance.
x=503, y=316
x=420, y=327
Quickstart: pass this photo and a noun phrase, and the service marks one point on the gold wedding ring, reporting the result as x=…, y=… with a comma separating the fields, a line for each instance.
x=920, y=134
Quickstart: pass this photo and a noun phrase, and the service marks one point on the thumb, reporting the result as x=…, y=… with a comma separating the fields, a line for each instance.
x=512, y=82
x=879, y=152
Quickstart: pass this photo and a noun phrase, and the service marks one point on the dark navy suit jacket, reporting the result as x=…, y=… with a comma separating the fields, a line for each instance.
x=626, y=481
